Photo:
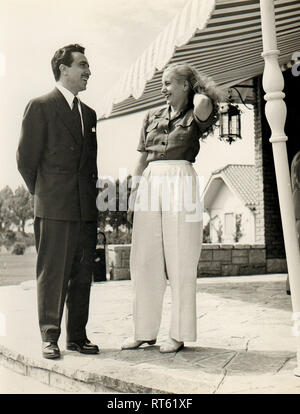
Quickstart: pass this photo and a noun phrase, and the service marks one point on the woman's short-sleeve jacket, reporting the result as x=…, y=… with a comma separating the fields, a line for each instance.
x=176, y=139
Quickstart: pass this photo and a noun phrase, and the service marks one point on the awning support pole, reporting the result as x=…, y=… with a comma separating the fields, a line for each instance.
x=275, y=109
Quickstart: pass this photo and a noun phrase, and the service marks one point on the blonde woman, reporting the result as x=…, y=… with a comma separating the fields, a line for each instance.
x=167, y=234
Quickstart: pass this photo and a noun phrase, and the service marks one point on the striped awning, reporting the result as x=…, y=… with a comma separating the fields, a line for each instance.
x=222, y=38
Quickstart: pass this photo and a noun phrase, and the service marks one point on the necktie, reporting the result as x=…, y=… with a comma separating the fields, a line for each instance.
x=76, y=115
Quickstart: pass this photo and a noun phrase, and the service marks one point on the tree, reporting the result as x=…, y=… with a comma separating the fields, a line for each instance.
x=103, y=213
x=238, y=228
x=22, y=208
x=9, y=238
x=206, y=233
x=206, y=227
x=220, y=232
x=129, y=183
x=6, y=211
x=218, y=229
x=112, y=205
x=119, y=217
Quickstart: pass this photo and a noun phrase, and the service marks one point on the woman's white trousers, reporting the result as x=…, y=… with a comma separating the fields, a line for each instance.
x=166, y=243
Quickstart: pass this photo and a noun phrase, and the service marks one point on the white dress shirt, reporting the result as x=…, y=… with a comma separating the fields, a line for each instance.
x=69, y=98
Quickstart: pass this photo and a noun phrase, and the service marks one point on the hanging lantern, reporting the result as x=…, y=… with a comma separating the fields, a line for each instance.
x=230, y=121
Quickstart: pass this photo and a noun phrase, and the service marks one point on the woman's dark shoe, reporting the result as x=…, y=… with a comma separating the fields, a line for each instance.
x=84, y=347
x=132, y=344
x=50, y=350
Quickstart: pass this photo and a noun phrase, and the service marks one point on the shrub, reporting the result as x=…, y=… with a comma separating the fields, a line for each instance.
x=220, y=232
x=19, y=249
x=238, y=234
x=206, y=233
x=121, y=238
x=9, y=238
x=28, y=239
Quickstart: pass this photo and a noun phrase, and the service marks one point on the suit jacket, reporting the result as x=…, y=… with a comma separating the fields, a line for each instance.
x=58, y=165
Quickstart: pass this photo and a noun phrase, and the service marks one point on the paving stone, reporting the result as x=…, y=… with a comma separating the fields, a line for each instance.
x=65, y=383
x=206, y=255
x=230, y=269
x=240, y=260
x=259, y=269
x=227, y=246
x=13, y=364
x=258, y=246
x=244, y=342
x=276, y=266
x=254, y=362
x=222, y=255
x=209, y=266
x=39, y=374
x=257, y=256
x=211, y=246
x=260, y=384
x=240, y=253
x=209, y=360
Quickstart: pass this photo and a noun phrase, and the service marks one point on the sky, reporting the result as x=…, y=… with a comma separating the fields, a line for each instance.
x=114, y=33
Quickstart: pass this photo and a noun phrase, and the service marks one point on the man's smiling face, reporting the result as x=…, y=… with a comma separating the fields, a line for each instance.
x=75, y=77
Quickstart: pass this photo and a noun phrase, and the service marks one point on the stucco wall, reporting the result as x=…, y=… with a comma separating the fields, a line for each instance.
x=226, y=202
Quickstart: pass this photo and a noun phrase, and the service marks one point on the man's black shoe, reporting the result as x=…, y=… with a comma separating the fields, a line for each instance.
x=50, y=350
x=84, y=347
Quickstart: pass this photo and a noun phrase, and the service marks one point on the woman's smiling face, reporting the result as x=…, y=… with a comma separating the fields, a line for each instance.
x=174, y=89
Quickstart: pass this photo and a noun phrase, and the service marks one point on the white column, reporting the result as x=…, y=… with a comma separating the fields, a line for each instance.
x=275, y=110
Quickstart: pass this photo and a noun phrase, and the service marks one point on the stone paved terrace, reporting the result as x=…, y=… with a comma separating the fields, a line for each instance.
x=244, y=342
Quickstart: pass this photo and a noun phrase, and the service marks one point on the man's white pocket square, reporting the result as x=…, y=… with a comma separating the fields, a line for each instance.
x=93, y=129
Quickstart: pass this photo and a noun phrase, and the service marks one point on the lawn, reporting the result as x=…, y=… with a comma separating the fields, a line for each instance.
x=16, y=269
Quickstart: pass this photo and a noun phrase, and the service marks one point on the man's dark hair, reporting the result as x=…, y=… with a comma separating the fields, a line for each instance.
x=64, y=56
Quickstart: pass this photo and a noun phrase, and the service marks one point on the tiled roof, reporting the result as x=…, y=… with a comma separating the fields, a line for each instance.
x=242, y=179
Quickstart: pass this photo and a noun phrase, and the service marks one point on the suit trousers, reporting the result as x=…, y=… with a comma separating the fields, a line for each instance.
x=166, y=243
x=65, y=253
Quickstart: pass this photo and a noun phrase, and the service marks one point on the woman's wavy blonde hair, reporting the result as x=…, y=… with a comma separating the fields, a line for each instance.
x=199, y=83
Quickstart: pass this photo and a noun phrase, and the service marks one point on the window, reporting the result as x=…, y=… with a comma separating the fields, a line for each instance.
x=229, y=224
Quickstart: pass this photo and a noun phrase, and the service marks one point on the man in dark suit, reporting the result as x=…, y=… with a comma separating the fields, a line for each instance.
x=57, y=157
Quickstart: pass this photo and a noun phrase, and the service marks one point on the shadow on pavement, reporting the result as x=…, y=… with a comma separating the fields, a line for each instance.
x=209, y=360
x=268, y=294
